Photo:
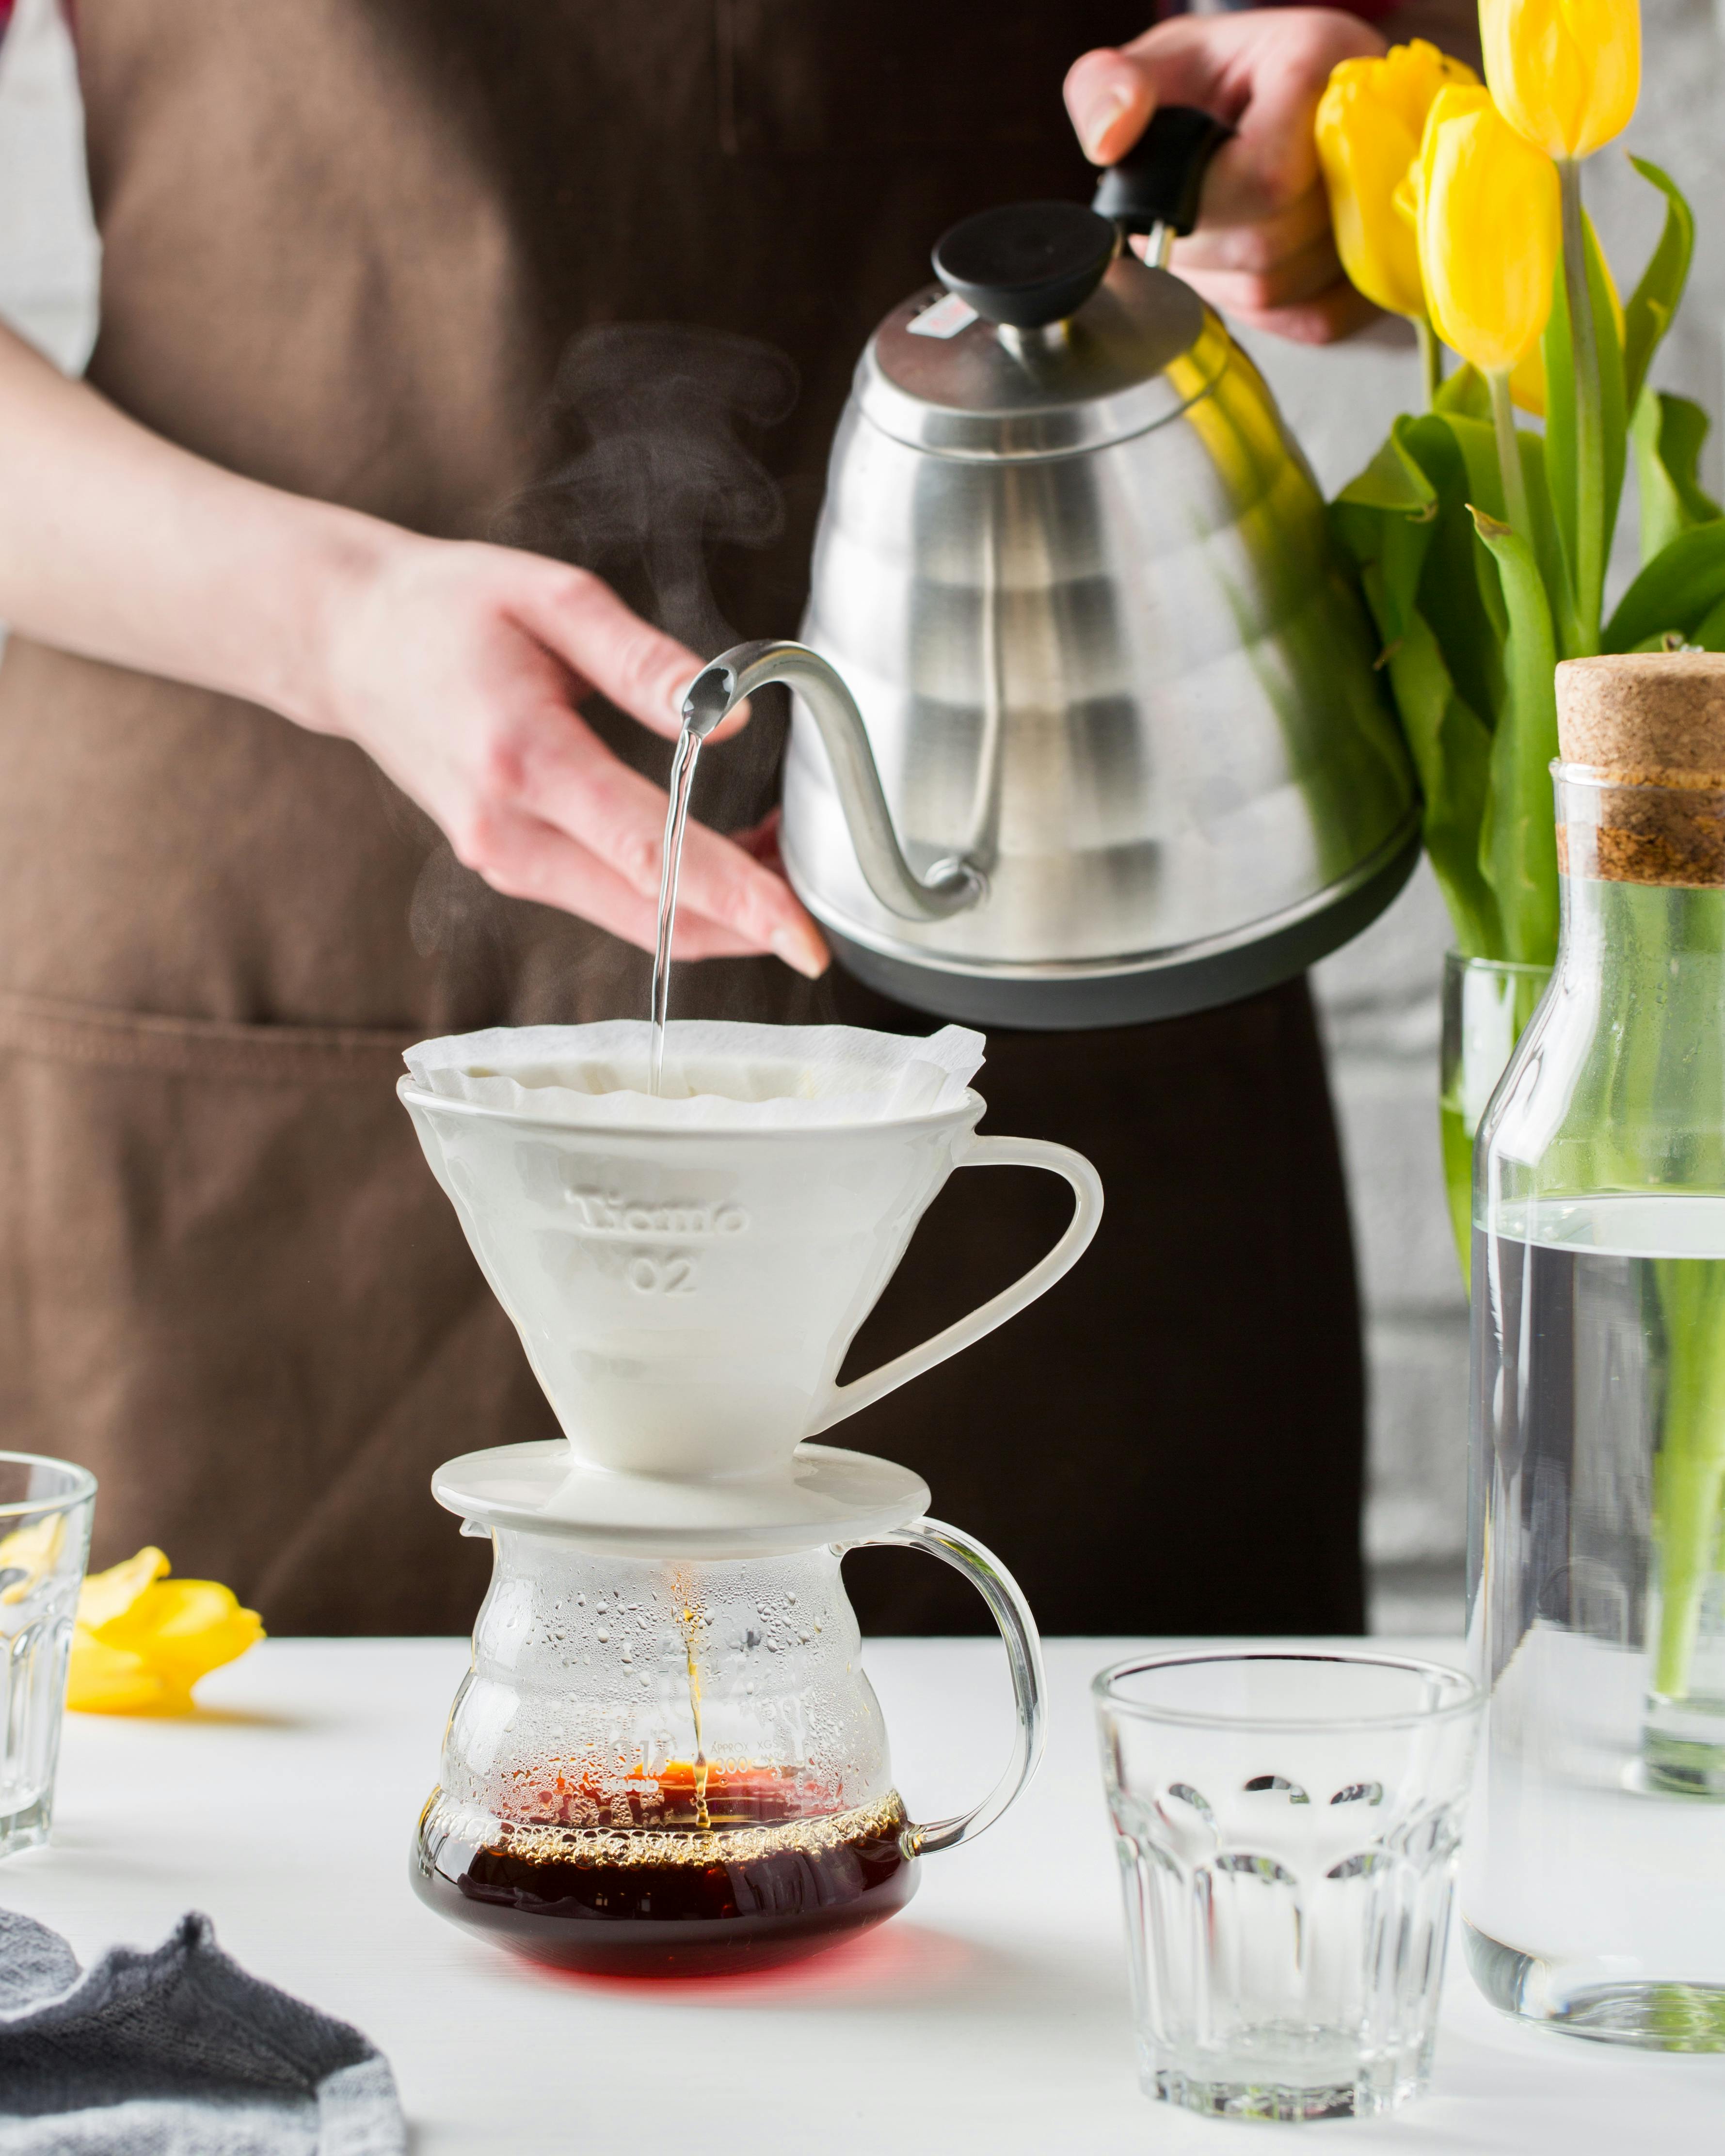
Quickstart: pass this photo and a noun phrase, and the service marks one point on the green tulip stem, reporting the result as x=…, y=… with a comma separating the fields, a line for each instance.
x=1509, y=459
x=1589, y=418
x=1689, y=1473
x=1431, y=359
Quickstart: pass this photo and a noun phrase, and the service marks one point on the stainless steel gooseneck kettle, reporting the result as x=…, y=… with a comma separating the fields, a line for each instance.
x=1111, y=747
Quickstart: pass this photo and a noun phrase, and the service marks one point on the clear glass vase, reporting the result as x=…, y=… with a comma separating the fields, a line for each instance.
x=1487, y=1002
x=1595, y=1886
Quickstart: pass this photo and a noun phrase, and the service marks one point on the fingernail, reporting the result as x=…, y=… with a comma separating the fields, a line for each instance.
x=1100, y=116
x=802, y=950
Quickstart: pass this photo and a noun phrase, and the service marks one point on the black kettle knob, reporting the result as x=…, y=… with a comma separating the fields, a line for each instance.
x=1160, y=179
x=1026, y=264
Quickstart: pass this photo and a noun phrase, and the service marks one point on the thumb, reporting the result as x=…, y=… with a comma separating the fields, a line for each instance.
x=1109, y=99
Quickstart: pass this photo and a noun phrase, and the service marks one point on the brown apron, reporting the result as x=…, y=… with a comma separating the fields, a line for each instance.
x=591, y=279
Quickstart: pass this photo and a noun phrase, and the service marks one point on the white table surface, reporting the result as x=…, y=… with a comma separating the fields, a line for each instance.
x=992, y=2015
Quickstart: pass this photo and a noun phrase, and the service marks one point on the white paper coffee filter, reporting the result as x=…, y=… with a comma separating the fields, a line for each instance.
x=717, y=1075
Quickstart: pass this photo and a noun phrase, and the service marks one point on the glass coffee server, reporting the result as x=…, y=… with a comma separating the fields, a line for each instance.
x=1594, y=1888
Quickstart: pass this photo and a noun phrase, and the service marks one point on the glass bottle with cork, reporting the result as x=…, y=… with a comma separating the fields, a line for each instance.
x=1595, y=1893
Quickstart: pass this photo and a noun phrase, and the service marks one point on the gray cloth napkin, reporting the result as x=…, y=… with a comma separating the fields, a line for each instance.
x=177, y=2053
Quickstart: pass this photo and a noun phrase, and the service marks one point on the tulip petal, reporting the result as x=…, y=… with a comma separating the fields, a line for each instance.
x=143, y=1640
x=185, y=1627
x=1368, y=130
x=1488, y=276
x=106, y=1596
x=1566, y=73
x=104, y=1680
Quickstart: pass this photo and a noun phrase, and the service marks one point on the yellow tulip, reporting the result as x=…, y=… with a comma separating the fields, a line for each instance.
x=1489, y=230
x=143, y=1640
x=1565, y=72
x=1370, y=119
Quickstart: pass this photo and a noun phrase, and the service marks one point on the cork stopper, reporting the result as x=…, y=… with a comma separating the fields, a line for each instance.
x=1646, y=718
x=1648, y=728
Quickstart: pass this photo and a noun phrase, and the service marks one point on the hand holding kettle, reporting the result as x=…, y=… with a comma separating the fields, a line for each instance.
x=1265, y=254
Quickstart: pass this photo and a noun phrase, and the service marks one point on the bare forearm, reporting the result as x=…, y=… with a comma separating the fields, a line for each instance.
x=118, y=545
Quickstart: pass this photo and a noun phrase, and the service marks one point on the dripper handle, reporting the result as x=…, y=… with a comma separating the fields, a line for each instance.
x=950, y=886
x=1087, y=1216
x=1024, y=1653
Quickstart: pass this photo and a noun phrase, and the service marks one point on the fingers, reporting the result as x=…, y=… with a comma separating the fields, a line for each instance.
x=1275, y=87
x=1250, y=280
x=1258, y=248
x=563, y=776
x=583, y=623
x=761, y=841
x=533, y=860
x=1338, y=312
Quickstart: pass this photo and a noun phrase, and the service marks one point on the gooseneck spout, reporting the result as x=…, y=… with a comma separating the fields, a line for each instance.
x=950, y=885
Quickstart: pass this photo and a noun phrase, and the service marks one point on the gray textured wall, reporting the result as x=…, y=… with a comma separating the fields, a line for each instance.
x=1379, y=997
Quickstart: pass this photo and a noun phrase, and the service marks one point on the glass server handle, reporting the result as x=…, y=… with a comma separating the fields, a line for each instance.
x=1024, y=1653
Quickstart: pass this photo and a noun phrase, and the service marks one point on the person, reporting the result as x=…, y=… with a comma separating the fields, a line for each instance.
x=438, y=347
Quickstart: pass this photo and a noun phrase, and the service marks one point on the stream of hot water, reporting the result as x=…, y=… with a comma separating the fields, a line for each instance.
x=676, y=818
x=684, y=759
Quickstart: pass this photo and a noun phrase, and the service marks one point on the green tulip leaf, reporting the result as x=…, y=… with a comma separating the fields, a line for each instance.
x=1674, y=594
x=1668, y=432
x=1613, y=386
x=1655, y=300
x=1584, y=464
x=1689, y=1473
x=1393, y=481
x=1451, y=750
x=1465, y=395
x=1478, y=444
x=1518, y=834
x=1560, y=466
x=1449, y=745
x=1709, y=632
x=1460, y=591
x=1547, y=546
x=1388, y=547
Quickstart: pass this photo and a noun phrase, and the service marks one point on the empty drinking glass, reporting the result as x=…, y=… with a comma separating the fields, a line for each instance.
x=45, y=1508
x=1287, y=1825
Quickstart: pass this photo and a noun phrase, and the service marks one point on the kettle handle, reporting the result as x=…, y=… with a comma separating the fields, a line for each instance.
x=951, y=886
x=1024, y=1654
x=1156, y=185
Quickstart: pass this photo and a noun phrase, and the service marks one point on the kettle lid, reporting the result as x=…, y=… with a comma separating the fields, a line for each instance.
x=1046, y=335
x=942, y=377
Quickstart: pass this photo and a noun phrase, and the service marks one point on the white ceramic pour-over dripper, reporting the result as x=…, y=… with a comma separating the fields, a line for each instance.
x=685, y=1296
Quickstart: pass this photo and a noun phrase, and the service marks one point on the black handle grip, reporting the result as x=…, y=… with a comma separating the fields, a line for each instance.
x=1160, y=177
x=1027, y=264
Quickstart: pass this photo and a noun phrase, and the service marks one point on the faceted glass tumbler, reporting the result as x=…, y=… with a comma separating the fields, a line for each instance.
x=45, y=1508
x=1287, y=1825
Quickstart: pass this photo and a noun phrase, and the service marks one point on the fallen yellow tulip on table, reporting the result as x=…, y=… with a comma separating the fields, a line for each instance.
x=143, y=1640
